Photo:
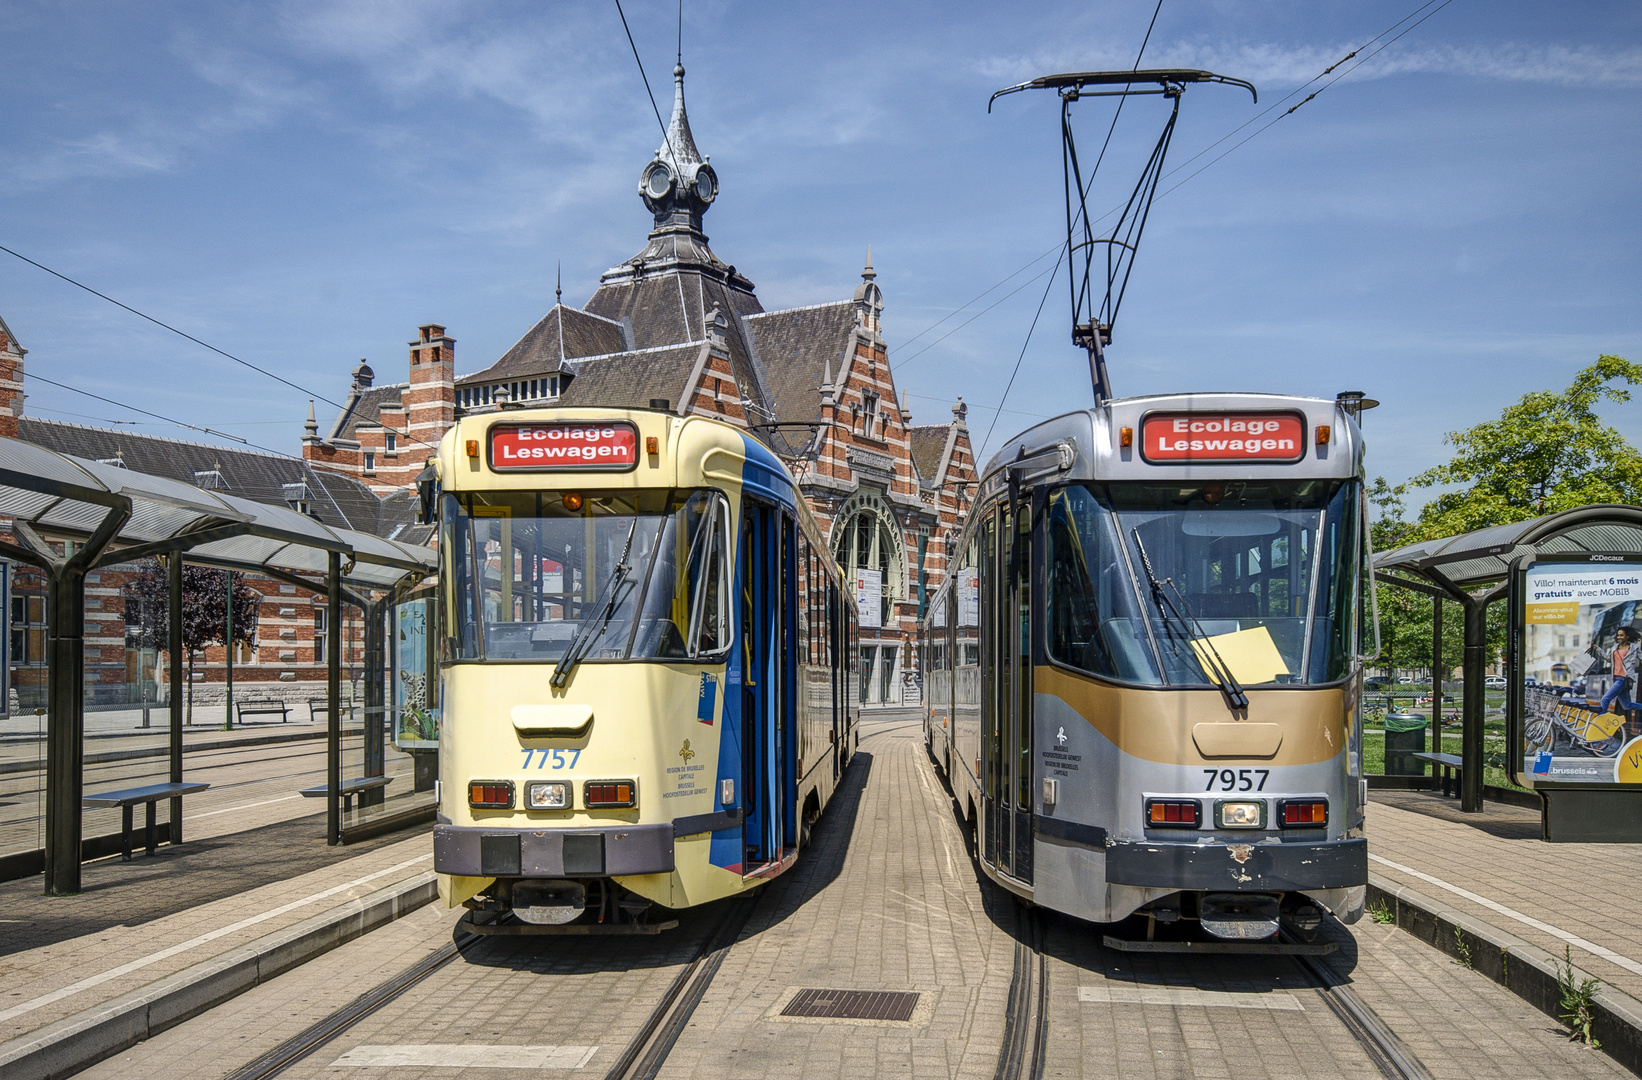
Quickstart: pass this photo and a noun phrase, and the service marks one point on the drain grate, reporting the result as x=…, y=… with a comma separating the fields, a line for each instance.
x=852, y=1004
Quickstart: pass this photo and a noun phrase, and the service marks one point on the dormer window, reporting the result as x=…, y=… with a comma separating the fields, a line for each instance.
x=210, y=480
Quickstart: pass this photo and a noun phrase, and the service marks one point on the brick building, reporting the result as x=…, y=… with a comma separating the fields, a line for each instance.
x=676, y=326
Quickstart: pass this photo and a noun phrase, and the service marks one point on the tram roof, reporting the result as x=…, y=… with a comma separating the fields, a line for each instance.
x=1484, y=556
x=68, y=497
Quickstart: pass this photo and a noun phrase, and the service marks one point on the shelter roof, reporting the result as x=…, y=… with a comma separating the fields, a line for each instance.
x=1483, y=556
x=60, y=495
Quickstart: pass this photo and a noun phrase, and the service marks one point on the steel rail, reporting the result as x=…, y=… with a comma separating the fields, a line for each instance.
x=1026, y=1016
x=1388, y=1052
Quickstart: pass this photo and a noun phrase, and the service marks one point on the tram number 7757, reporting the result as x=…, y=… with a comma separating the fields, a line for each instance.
x=1236, y=779
x=559, y=757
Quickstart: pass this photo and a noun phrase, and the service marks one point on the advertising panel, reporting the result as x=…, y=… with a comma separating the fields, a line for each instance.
x=415, y=677
x=1581, y=643
x=552, y=447
x=869, y=598
x=1276, y=437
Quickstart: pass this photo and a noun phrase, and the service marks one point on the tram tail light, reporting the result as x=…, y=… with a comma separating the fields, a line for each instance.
x=490, y=794
x=608, y=794
x=1304, y=813
x=1173, y=813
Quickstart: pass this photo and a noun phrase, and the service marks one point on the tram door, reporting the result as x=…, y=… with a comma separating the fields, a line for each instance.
x=766, y=690
x=1006, y=604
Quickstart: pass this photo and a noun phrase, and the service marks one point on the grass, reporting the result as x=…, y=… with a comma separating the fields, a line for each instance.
x=1493, y=745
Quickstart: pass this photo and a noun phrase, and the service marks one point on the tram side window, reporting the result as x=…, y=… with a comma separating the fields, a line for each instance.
x=1094, y=624
x=1334, y=629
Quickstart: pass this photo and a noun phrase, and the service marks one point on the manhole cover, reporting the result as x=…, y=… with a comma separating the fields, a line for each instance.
x=852, y=1004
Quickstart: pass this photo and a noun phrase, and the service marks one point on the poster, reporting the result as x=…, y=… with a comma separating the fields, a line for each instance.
x=869, y=598
x=1575, y=622
x=416, y=712
x=969, y=598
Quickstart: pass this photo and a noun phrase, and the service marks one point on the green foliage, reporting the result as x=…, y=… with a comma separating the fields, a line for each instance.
x=1462, y=947
x=1578, y=1001
x=1381, y=912
x=1546, y=453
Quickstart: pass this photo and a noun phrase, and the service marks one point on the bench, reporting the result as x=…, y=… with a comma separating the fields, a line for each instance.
x=318, y=707
x=262, y=708
x=349, y=789
x=1450, y=765
x=130, y=797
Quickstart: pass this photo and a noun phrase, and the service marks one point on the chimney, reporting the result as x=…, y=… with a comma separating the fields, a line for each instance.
x=11, y=382
x=430, y=401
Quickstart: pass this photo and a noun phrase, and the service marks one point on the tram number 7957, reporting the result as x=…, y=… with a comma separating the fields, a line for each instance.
x=1236, y=779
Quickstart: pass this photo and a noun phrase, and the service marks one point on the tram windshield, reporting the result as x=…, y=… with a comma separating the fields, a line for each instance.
x=525, y=574
x=1263, y=577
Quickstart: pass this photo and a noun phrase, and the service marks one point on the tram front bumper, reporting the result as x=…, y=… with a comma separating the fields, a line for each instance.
x=1232, y=867
x=624, y=850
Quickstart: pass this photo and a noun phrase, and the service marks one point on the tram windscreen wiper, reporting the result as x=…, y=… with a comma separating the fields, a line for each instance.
x=1217, y=667
x=593, y=623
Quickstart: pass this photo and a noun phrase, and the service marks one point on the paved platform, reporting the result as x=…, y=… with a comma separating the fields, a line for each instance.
x=138, y=922
x=886, y=899
x=1494, y=867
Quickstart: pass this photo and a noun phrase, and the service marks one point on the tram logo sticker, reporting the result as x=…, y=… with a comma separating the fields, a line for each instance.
x=554, y=447
x=1581, y=646
x=1277, y=437
x=708, y=700
x=685, y=753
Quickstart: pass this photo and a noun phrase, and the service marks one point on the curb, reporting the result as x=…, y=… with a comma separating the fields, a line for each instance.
x=1525, y=969
x=79, y=1041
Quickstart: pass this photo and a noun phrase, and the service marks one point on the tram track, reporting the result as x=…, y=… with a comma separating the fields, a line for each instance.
x=641, y=1059
x=1390, y=1055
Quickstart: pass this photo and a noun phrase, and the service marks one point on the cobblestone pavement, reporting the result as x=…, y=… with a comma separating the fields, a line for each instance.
x=1583, y=891
x=886, y=899
x=140, y=921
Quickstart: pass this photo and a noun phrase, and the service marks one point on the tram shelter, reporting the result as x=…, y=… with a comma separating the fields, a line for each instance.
x=1477, y=569
x=71, y=516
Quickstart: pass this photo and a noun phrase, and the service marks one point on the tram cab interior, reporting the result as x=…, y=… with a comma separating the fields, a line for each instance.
x=1144, y=675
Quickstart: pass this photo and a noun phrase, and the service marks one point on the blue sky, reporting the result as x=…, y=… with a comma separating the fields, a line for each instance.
x=1451, y=225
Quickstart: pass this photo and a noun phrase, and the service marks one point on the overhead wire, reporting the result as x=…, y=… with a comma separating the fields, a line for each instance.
x=149, y=412
x=666, y=137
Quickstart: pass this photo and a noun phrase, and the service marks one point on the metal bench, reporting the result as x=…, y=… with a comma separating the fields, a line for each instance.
x=130, y=797
x=262, y=708
x=1450, y=765
x=318, y=707
x=350, y=787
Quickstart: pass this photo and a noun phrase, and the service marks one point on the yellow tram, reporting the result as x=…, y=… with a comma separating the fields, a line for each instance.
x=645, y=652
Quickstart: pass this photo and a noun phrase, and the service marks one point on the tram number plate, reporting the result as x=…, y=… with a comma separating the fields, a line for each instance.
x=558, y=757
x=1236, y=779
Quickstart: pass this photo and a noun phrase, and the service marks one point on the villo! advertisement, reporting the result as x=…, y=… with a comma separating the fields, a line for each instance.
x=1581, y=644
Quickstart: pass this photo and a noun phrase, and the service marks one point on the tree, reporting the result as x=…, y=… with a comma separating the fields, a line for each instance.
x=1546, y=453
x=204, y=611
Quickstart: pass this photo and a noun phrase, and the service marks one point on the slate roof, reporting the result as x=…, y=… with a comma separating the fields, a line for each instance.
x=537, y=353
x=252, y=474
x=928, y=446
x=363, y=409
x=797, y=348
x=629, y=380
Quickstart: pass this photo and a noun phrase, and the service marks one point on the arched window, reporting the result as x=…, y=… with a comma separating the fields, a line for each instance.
x=865, y=537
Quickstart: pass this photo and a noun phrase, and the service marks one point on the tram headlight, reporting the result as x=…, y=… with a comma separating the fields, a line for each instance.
x=554, y=795
x=1230, y=814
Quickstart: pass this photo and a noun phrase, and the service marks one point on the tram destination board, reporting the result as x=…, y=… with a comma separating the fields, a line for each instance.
x=564, y=447
x=1267, y=437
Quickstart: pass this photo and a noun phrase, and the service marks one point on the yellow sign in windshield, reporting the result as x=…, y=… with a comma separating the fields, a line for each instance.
x=1250, y=655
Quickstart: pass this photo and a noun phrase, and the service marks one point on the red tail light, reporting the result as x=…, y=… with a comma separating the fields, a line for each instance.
x=1173, y=813
x=1304, y=813
x=490, y=794
x=606, y=794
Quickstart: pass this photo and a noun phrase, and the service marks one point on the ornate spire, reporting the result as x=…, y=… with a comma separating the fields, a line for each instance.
x=678, y=185
x=310, y=430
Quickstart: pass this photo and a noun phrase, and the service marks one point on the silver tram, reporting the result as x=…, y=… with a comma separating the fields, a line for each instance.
x=1144, y=668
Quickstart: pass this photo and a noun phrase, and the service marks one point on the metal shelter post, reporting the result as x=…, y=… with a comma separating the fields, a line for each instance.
x=228, y=652
x=173, y=631
x=1436, y=677
x=375, y=613
x=333, y=697
x=1476, y=658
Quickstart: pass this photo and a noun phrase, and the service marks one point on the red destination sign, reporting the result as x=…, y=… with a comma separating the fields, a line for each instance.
x=1205, y=436
x=564, y=446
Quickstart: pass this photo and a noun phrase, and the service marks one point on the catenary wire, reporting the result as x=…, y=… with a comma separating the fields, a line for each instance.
x=146, y=412
x=1033, y=261
x=665, y=137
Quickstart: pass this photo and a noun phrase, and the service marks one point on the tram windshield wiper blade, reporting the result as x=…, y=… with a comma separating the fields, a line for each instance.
x=1216, y=666
x=594, y=622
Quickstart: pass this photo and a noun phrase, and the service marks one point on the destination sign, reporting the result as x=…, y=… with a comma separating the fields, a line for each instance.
x=1223, y=436
x=563, y=446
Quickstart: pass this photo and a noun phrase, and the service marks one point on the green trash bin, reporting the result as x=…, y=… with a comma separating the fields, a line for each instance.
x=1404, y=737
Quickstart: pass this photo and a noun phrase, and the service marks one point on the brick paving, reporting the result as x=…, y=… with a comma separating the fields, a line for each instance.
x=130, y=911
x=1587, y=890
